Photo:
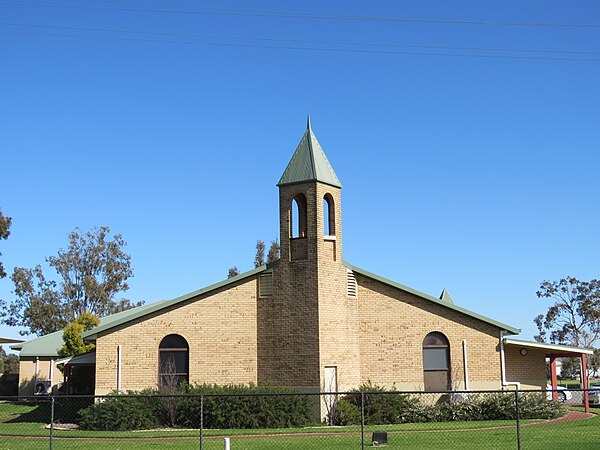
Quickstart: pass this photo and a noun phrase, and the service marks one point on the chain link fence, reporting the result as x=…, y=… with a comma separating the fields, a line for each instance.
x=350, y=420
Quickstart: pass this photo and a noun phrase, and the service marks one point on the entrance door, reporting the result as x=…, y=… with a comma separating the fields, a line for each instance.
x=330, y=385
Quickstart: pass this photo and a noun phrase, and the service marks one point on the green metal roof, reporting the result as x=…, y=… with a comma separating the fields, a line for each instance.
x=49, y=344
x=445, y=297
x=445, y=304
x=136, y=313
x=309, y=163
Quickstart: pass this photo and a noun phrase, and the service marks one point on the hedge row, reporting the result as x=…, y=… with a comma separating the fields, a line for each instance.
x=383, y=407
x=146, y=410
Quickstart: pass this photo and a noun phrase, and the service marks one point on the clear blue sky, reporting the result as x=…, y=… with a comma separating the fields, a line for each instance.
x=478, y=174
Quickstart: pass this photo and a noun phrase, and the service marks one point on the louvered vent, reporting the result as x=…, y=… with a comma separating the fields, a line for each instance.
x=352, y=289
x=265, y=285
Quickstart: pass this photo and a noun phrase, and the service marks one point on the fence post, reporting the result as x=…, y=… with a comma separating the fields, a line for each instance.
x=518, y=419
x=362, y=420
x=201, y=421
x=51, y=421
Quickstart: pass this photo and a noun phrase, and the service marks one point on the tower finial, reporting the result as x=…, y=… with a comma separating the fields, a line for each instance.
x=308, y=122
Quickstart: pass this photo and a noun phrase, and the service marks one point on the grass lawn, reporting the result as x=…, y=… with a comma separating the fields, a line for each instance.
x=25, y=435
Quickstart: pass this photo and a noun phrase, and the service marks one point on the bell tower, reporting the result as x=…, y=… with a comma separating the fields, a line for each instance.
x=310, y=325
x=310, y=205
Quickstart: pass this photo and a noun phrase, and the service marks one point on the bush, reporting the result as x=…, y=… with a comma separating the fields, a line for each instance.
x=231, y=407
x=383, y=407
x=119, y=413
x=221, y=409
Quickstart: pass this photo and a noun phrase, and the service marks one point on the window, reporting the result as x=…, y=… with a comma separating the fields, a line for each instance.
x=298, y=219
x=436, y=362
x=328, y=216
x=173, y=361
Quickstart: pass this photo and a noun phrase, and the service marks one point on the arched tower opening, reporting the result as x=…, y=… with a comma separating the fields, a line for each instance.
x=298, y=217
x=328, y=215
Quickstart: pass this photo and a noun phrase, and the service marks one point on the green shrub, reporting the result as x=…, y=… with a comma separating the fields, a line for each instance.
x=380, y=406
x=221, y=409
x=383, y=407
x=232, y=407
x=119, y=413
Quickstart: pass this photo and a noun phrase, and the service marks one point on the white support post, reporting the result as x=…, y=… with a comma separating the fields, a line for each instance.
x=118, y=368
x=466, y=364
x=227, y=444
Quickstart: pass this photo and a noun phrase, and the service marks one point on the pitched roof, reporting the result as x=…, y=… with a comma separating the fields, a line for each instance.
x=136, y=313
x=309, y=163
x=445, y=303
x=49, y=344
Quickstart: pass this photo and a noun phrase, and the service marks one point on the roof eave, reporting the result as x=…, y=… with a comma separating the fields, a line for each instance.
x=92, y=334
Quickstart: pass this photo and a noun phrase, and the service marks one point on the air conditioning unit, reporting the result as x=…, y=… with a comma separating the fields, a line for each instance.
x=42, y=388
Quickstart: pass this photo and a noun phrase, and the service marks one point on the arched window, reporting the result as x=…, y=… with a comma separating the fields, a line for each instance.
x=298, y=219
x=173, y=361
x=328, y=216
x=436, y=362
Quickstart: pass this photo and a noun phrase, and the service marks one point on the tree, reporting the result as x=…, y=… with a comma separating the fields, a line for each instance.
x=259, y=259
x=273, y=254
x=73, y=341
x=574, y=318
x=8, y=363
x=233, y=271
x=594, y=362
x=91, y=272
x=569, y=367
x=4, y=233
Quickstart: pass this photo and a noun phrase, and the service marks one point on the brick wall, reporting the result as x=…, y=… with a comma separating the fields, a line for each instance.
x=27, y=373
x=220, y=330
x=393, y=324
x=529, y=370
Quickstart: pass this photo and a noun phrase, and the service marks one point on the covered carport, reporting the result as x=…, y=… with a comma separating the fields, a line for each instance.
x=554, y=351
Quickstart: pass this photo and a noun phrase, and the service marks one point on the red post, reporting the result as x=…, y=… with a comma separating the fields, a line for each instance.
x=584, y=378
x=553, y=379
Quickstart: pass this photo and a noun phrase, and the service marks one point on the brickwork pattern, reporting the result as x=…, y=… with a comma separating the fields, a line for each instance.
x=220, y=330
x=27, y=373
x=529, y=370
x=393, y=325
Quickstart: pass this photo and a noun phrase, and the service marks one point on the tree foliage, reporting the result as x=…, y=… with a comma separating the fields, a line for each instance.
x=73, y=341
x=574, y=316
x=8, y=363
x=4, y=233
x=259, y=258
x=91, y=272
x=273, y=254
x=233, y=271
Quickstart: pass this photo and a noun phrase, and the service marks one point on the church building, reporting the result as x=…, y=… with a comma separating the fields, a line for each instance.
x=310, y=320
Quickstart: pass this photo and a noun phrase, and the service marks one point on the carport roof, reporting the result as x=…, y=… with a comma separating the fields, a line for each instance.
x=554, y=349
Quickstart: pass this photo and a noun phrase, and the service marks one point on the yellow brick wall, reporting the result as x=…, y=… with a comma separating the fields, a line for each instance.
x=27, y=373
x=529, y=370
x=338, y=314
x=220, y=330
x=393, y=324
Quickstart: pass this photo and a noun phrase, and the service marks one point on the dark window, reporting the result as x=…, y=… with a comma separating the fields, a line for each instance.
x=173, y=361
x=298, y=219
x=436, y=362
x=328, y=216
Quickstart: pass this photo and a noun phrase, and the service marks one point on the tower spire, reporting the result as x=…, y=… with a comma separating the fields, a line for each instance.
x=308, y=122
